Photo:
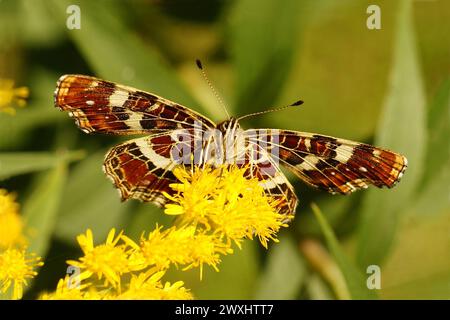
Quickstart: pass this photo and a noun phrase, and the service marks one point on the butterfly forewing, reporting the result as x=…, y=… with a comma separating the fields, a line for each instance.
x=336, y=165
x=102, y=106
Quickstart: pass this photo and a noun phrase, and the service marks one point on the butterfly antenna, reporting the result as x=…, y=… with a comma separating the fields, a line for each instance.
x=200, y=66
x=297, y=103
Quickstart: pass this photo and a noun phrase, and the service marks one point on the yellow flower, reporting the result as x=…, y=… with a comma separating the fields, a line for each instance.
x=181, y=246
x=65, y=291
x=206, y=249
x=11, y=225
x=147, y=285
x=70, y=288
x=127, y=275
x=175, y=291
x=144, y=286
x=197, y=188
x=215, y=207
x=9, y=95
x=109, y=260
x=15, y=268
x=161, y=248
x=225, y=200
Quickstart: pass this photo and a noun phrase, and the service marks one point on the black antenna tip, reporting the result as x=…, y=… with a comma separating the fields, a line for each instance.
x=297, y=103
x=199, y=64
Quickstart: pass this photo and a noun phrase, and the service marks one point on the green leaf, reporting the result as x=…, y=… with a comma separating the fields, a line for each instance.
x=15, y=163
x=263, y=39
x=284, y=272
x=317, y=289
x=41, y=209
x=438, y=147
x=401, y=128
x=90, y=201
x=430, y=287
x=337, y=209
x=117, y=54
x=434, y=199
x=423, y=256
x=433, y=190
x=39, y=27
x=355, y=280
x=13, y=128
x=37, y=113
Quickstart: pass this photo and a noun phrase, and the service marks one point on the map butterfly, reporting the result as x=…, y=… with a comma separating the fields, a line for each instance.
x=142, y=168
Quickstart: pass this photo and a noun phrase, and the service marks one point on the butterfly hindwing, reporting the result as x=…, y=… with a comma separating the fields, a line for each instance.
x=274, y=182
x=142, y=168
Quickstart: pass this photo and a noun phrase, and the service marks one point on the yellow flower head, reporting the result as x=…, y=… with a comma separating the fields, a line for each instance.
x=11, y=225
x=175, y=291
x=147, y=285
x=181, y=246
x=15, y=268
x=10, y=95
x=121, y=262
x=161, y=248
x=225, y=200
x=65, y=291
x=75, y=288
x=108, y=261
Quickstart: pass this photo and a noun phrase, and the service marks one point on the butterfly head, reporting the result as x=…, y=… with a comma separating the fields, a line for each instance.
x=228, y=126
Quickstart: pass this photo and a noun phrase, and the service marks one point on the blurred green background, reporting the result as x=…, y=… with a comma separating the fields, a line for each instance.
x=389, y=87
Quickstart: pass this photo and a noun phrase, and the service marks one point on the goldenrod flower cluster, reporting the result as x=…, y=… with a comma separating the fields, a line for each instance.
x=16, y=265
x=10, y=95
x=225, y=204
x=116, y=269
x=215, y=208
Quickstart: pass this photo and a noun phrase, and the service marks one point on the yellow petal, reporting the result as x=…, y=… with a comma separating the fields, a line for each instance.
x=173, y=209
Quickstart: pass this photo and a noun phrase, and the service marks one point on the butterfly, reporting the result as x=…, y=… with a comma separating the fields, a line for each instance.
x=142, y=168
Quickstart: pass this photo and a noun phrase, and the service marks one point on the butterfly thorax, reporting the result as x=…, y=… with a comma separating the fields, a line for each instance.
x=223, y=143
x=229, y=126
